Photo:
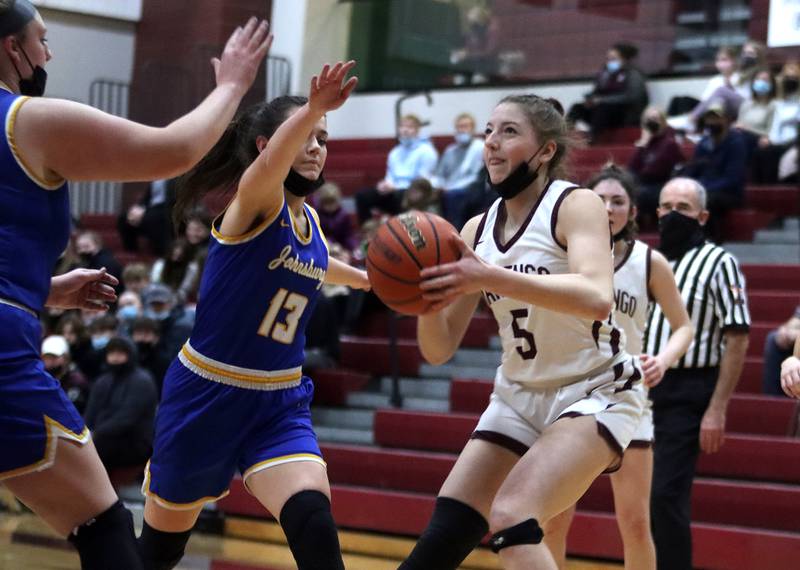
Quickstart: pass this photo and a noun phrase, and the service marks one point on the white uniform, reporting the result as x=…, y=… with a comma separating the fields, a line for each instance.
x=632, y=305
x=553, y=364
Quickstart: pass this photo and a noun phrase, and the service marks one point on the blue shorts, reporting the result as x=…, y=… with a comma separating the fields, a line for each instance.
x=34, y=410
x=206, y=430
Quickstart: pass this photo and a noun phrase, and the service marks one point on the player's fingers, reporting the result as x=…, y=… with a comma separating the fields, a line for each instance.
x=349, y=86
x=234, y=38
x=323, y=75
x=215, y=65
x=263, y=49
x=258, y=36
x=335, y=70
x=249, y=29
x=314, y=84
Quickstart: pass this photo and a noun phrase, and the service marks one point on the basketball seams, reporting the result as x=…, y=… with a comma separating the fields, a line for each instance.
x=435, y=237
x=385, y=273
x=403, y=244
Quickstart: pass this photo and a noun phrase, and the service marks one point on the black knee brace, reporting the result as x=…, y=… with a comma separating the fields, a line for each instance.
x=162, y=550
x=308, y=524
x=107, y=541
x=526, y=532
x=454, y=530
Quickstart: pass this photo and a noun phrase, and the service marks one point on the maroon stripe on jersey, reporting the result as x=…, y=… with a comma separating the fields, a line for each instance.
x=635, y=377
x=626, y=257
x=614, y=342
x=596, y=332
x=554, y=215
x=479, y=231
x=647, y=264
x=500, y=220
x=502, y=440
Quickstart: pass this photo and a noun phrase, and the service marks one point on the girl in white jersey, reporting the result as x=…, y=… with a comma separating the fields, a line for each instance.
x=640, y=275
x=567, y=397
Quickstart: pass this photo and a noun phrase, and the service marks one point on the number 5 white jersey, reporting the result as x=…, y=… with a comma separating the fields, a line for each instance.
x=542, y=348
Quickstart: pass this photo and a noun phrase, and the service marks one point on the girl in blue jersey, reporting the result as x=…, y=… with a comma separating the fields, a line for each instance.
x=46, y=455
x=236, y=398
x=640, y=275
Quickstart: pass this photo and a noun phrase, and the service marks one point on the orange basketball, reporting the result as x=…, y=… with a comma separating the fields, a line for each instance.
x=402, y=247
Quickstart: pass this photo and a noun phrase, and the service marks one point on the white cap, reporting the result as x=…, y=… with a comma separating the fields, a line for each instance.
x=55, y=345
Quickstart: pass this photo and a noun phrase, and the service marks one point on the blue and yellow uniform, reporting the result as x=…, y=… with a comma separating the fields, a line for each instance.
x=236, y=396
x=34, y=231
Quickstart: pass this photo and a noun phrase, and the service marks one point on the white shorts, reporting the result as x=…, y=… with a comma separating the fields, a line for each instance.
x=644, y=435
x=518, y=414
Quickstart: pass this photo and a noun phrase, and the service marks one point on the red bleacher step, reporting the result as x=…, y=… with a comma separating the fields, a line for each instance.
x=332, y=386
x=593, y=534
x=371, y=355
x=783, y=277
x=481, y=328
x=753, y=457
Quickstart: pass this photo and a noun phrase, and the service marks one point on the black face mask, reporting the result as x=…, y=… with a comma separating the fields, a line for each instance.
x=56, y=371
x=747, y=61
x=679, y=234
x=620, y=235
x=517, y=181
x=790, y=85
x=714, y=129
x=118, y=369
x=652, y=126
x=301, y=186
x=35, y=85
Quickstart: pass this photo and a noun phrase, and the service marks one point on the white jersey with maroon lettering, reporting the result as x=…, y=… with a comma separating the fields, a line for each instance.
x=542, y=348
x=631, y=294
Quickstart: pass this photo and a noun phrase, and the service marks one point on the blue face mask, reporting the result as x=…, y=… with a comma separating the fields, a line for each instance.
x=613, y=65
x=128, y=313
x=762, y=86
x=100, y=342
x=407, y=141
x=463, y=138
x=157, y=315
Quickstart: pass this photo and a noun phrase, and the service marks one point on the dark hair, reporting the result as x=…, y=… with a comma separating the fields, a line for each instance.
x=625, y=179
x=104, y=323
x=627, y=51
x=224, y=164
x=76, y=322
x=546, y=116
x=146, y=324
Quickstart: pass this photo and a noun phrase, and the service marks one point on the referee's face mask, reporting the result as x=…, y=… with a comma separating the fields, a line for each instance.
x=679, y=233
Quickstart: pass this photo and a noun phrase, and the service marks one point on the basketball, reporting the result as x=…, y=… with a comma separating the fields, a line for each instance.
x=401, y=248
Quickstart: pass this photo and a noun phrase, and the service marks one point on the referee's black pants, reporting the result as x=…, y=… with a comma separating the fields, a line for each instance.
x=679, y=402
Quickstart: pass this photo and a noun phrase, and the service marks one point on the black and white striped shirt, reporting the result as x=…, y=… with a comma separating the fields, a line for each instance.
x=712, y=288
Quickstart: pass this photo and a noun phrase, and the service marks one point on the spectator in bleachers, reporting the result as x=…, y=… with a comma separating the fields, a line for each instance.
x=414, y=157
x=121, y=408
x=422, y=196
x=136, y=277
x=788, y=166
x=129, y=308
x=93, y=255
x=478, y=57
x=174, y=320
x=74, y=330
x=101, y=330
x=654, y=162
x=180, y=270
x=150, y=218
x=756, y=114
x=619, y=95
x=790, y=373
x=459, y=169
x=337, y=225
x=783, y=131
x=57, y=362
x=727, y=85
x=778, y=347
x=719, y=162
x=322, y=335
x=146, y=335
x=752, y=59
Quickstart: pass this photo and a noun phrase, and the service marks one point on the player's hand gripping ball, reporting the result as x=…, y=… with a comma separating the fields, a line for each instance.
x=402, y=247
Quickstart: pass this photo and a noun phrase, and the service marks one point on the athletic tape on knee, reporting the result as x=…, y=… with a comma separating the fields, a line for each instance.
x=526, y=532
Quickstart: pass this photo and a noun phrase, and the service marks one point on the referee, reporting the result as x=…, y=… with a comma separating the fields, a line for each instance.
x=689, y=404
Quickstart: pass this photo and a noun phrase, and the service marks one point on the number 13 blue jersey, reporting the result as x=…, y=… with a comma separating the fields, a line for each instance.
x=256, y=296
